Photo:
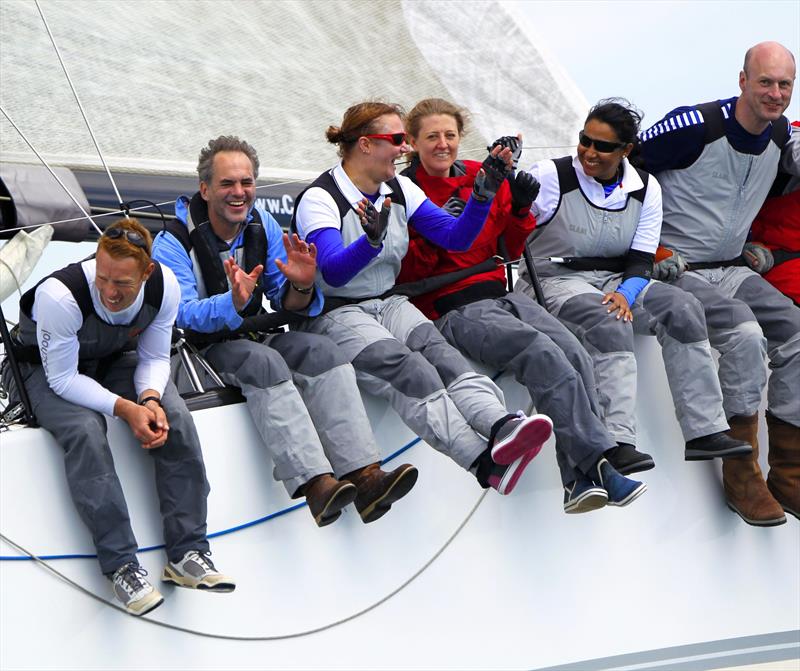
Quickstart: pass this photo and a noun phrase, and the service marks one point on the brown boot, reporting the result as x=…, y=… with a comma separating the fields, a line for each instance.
x=784, y=464
x=326, y=496
x=745, y=489
x=378, y=490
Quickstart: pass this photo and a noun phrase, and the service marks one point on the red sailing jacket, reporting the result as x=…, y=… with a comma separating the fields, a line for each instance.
x=424, y=259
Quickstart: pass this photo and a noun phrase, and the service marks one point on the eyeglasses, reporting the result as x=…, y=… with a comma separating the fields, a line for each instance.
x=136, y=239
x=602, y=146
x=397, y=139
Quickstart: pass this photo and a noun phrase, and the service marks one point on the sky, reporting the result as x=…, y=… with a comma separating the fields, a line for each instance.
x=659, y=54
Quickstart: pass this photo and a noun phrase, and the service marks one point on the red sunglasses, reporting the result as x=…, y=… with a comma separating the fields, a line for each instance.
x=396, y=139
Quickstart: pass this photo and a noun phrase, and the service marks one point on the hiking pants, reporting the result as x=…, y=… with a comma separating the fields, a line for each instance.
x=677, y=320
x=400, y=356
x=747, y=319
x=180, y=474
x=296, y=385
x=516, y=334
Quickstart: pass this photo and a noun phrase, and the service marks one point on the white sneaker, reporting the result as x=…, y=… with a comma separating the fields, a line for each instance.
x=134, y=591
x=197, y=571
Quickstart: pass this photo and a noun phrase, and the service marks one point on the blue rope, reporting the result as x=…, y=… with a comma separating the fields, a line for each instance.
x=224, y=532
x=216, y=534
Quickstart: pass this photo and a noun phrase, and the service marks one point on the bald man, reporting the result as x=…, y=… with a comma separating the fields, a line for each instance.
x=715, y=163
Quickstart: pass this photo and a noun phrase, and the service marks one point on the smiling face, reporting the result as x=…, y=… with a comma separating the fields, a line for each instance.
x=118, y=280
x=437, y=143
x=766, y=87
x=230, y=193
x=601, y=165
x=381, y=154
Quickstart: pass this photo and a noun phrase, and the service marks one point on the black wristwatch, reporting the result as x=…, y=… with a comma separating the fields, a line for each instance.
x=150, y=398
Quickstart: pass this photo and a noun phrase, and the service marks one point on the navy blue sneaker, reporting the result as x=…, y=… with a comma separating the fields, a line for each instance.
x=583, y=496
x=621, y=490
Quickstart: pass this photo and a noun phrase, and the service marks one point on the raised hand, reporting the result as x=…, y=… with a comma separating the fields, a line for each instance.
x=513, y=143
x=524, y=189
x=301, y=262
x=374, y=223
x=242, y=284
x=492, y=173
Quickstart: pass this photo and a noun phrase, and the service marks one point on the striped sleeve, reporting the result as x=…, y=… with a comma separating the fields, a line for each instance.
x=674, y=142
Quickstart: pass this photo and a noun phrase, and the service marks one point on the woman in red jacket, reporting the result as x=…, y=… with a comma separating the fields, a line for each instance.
x=507, y=330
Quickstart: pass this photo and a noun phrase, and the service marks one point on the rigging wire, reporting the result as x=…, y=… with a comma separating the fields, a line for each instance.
x=52, y=172
x=127, y=211
x=80, y=106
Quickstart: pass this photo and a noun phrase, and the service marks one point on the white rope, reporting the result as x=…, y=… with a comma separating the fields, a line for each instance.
x=266, y=637
x=78, y=100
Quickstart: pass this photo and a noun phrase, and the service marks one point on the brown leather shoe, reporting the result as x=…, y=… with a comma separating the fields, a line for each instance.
x=745, y=490
x=784, y=464
x=378, y=490
x=326, y=496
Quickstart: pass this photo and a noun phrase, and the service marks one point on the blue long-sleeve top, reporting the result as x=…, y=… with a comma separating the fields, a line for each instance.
x=340, y=264
x=208, y=314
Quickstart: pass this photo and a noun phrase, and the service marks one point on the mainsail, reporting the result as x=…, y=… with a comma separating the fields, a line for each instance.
x=159, y=78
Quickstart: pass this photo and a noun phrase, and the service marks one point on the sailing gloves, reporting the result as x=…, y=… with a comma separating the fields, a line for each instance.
x=454, y=206
x=524, y=189
x=669, y=265
x=488, y=182
x=375, y=224
x=758, y=258
x=513, y=144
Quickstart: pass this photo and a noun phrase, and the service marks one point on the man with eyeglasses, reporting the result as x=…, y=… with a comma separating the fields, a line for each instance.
x=228, y=254
x=94, y=341
x=716, y=163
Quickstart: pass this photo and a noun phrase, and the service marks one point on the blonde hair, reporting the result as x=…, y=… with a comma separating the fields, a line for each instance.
x=121, y=247
x=430, y=107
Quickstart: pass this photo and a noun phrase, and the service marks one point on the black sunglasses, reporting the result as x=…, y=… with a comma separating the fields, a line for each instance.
x=600, y=145
x=136, y=239
x=395, y=138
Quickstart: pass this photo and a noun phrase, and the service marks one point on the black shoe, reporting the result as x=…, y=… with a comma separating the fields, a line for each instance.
x=626, y=459
x=715, y=445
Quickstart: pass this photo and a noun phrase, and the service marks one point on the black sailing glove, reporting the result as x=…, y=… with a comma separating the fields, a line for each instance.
x=454, y=206
x=487, y=184
x=375, y=224
x=524, y=189
x=513, y=143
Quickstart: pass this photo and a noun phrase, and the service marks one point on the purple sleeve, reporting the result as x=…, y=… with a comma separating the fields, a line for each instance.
x=456, y=235
x=337, y=263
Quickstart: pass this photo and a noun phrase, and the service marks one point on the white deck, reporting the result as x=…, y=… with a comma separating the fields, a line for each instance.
x=521, y=586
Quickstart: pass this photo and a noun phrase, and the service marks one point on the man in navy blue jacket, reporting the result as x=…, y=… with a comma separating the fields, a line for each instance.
x=716, y=163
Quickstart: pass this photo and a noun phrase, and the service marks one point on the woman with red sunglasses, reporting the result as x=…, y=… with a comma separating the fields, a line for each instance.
x=598, y=227
x=357, y=215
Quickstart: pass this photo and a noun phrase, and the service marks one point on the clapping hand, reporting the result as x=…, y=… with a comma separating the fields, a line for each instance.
x=301, y=261
x=373, y=222
x=242, y=284
x=493, y=171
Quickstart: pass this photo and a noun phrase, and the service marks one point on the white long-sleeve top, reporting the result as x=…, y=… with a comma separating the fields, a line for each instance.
x=649, y=228
x=58, y=320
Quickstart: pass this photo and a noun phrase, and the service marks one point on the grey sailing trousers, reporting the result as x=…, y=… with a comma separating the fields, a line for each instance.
x=296, y=385
x=516, y=334
x=399, y=356
x=678, y=322
x=747, y=319
x=93, y=482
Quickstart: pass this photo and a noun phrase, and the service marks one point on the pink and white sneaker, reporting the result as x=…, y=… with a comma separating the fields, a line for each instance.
x=521, y=437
